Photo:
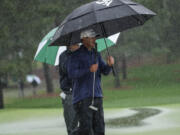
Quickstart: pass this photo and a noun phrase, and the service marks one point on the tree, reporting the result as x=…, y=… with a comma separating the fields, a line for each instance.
x=117, y=83
x=2, y=84
x=49, y=85
x=17, y=38
x=165, y=26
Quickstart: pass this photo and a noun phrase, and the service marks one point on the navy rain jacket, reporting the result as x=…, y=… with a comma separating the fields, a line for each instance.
x=79, y=71
x=65, y=82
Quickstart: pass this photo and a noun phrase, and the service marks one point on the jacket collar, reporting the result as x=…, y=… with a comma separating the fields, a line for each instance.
x=84, y=48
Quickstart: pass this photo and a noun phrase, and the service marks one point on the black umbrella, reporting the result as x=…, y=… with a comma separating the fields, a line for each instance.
x=106, y=17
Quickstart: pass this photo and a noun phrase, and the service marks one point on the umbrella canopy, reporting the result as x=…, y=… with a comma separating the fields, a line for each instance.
x=31, y=78
x=50, y=54
x=111, y=40
x=106, y=17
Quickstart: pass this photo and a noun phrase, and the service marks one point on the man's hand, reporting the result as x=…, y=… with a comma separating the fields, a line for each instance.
x=94, y=67
x=110, y=61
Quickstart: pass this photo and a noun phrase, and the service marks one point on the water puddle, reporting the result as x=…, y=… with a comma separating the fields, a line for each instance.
x=134, y=120
x=118, y=122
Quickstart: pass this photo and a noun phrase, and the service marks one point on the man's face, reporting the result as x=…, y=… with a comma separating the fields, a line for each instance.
x=89, y=42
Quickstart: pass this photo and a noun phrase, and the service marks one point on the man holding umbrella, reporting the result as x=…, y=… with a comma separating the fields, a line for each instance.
x=107, y=17
x=85, y=67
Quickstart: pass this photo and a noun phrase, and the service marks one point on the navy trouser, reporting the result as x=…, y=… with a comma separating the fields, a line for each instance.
x=69, y=114
x=89, y=120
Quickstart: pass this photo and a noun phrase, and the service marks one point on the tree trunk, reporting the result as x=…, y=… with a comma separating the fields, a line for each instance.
x=21, y=88
x=48, y=79
x=117, y=83
x=168, y=58
x=139, y=59
x=1, y=95
x=1, y=99
x=124, y=67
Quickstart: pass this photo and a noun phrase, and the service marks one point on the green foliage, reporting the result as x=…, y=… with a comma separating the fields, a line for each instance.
x=159, y=33
x=23, y=25
x=16, y=50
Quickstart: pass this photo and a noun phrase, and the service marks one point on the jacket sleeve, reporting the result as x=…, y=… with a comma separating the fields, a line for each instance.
x=104, y=68
x=63, y=80
x=62, y=74
x=75, y=70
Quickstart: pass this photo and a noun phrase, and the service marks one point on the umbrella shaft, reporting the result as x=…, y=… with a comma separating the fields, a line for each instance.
x=94, y=78
x=106, y=47
x=105, y=35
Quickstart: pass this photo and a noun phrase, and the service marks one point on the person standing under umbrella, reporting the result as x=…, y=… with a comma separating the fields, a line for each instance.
x=66, y=87
x=82, y=66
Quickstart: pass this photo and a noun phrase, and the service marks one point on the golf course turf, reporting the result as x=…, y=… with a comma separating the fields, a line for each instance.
x=147, y=103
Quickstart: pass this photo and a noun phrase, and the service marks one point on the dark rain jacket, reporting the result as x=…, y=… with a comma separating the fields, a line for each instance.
x=79, y=71
x=65, y=82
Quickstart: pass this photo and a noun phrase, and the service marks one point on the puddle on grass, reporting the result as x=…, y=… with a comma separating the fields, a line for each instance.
x=135, y=120
x=117, y=122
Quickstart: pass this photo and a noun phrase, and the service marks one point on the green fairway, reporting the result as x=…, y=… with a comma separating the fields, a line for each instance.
x=9, y=115
x=145, y=86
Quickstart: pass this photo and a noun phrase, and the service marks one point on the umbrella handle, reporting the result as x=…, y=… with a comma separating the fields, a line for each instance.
x=113, y=69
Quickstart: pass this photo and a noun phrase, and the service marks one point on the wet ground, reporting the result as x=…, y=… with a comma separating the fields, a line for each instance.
x=135, y=120
x=159, y=120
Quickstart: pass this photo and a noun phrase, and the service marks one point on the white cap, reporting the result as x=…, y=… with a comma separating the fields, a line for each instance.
x=88, y=33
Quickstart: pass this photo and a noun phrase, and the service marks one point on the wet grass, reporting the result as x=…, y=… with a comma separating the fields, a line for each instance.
x=145, y=86
x=41, y=102
x=148, y=85
x=42, y=123
x=10, y=115
x=134, y=120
